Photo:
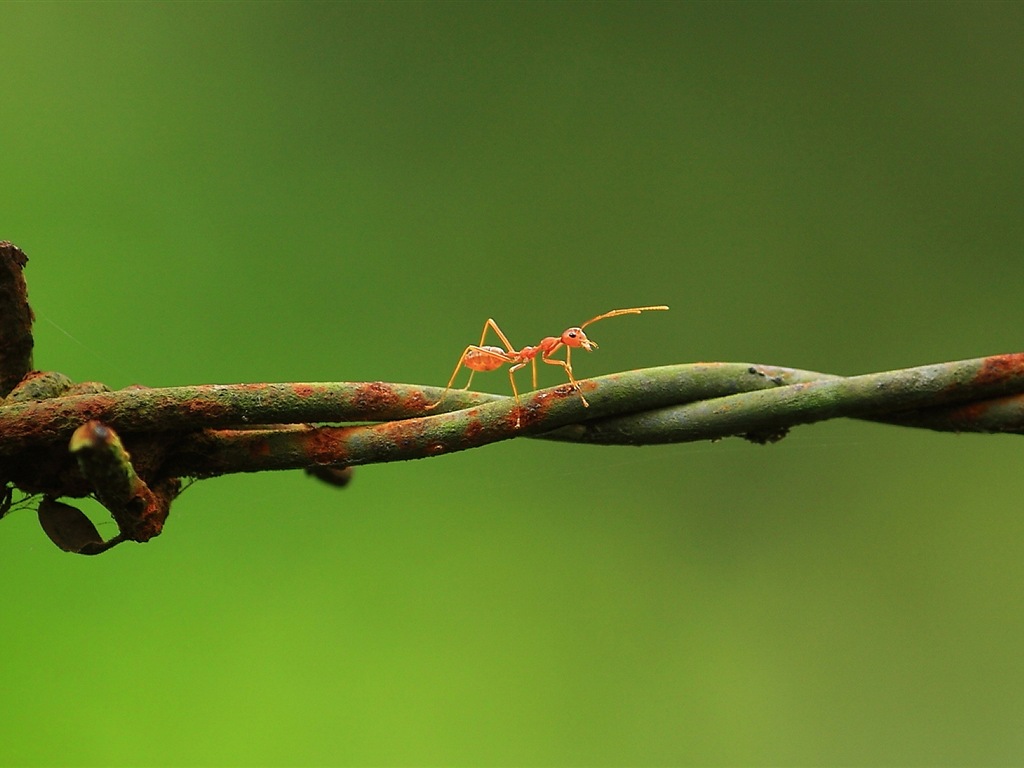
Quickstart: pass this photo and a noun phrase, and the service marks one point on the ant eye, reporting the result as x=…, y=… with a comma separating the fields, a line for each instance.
x=572, y=334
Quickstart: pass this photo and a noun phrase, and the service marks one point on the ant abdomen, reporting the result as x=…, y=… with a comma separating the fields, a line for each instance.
x=484, y=358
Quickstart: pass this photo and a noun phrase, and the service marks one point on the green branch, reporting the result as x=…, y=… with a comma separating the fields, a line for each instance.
x=268, y=425
x=657, y=405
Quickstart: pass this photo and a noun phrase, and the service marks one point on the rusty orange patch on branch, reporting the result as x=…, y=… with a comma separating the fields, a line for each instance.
x=999, y=368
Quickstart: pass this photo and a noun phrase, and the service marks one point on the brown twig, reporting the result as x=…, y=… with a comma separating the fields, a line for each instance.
x=15, y=318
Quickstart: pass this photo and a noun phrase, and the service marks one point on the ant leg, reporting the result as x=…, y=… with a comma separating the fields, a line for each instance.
x=515, y=392
x=455, y=373
x=485, y=359
x=568, y=372
x=494, y=326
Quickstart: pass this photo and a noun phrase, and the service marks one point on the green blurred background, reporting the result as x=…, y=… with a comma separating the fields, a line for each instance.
x=288, y=192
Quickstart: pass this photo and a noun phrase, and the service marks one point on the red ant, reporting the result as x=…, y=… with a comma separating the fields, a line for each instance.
x=478, y=357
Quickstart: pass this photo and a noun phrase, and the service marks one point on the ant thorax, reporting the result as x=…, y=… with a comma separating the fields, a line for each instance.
x=548, y=344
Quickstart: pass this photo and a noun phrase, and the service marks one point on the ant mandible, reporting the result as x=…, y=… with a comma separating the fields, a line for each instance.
x=478, y=357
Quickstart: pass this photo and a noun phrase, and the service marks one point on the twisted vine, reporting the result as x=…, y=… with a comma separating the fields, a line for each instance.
x=130, y=449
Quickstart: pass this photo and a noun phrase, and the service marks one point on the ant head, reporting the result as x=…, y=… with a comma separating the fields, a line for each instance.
x=575, y=337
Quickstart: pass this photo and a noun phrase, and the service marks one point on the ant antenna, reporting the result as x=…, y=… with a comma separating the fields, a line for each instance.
x=616, y=312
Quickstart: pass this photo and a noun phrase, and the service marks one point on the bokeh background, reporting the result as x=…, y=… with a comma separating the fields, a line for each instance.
x=345, y=191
